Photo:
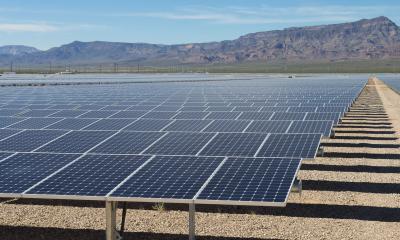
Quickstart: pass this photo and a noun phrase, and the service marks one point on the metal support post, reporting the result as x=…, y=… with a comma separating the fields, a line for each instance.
x=192, y=221
x=111, y=221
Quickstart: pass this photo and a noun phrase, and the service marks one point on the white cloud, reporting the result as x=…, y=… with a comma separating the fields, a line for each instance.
x=269, y=15
x=27, y=27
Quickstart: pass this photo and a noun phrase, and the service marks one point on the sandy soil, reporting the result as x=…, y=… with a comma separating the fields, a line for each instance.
x=344, y=197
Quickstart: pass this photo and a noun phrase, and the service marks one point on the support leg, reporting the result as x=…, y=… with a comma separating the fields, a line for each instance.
x=111, y=221
x=192, y=222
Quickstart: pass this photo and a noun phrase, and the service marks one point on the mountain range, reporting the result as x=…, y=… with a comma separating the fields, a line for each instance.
x=377, y=38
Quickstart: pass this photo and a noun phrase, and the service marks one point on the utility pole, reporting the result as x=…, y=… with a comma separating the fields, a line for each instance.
x=11, y=66
x=115, y=67
x=138, y=68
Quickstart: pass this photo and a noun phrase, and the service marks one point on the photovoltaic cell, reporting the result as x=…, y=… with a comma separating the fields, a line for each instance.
x=290, y=145
x=91, y=175
x=191, y=115
x=148, y=125
x=20, y=172
x=288, y=116
x=7, y=121
x=322, y=127
x=169, y=177
x=234, y=144
x=37, y=113
x=128, y=142
x=256, y=115
x=268, y=126
x=252, y=180
x=109, y=124
x=98, y=114
x=187, y=125
x=68, y=113
x=128, y=114
x=29, y=140
x=34, y=123
x=76, y=142
x=10, y=112
x=4, y=133
x=160, y=115
x=227, y=126
x=180, y=143
x=333, y=116
x=72, y=123
x=223, y=115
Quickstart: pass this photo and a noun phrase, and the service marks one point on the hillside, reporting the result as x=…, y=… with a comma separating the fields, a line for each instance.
x=377, y=38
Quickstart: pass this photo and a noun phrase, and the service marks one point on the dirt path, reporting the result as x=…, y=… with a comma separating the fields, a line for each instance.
x=353, y=192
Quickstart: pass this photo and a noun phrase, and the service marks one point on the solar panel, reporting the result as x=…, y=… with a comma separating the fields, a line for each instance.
x=98, y=114
x=273, y=109
x=37, y=113
x=244, y=180
x=141, y=108
x=269, y=126
x=148, y=125
x=321, y=127
x=234, y=144
x=290, y=145
x=10, y=112
x=76, y=142
x=68, y=113
x=4, y=133
x=21, y=171
x=168, y=177
x=34, y=123
x=227, y=126
x=223, y=115
x=4, y=155
x=109, y=124
x=7, y=121
x=160, y=115
x=91, y=175
x=128, y=114
x=220, y=109
x=180, y=143
x=187, y=125
x=302, y=109
x=29, y=140
x=333, y=116
x=288, y=116
x=256, y=115
x=72, y=123
x=128, y=142
x=191, y=115
x=115, y=107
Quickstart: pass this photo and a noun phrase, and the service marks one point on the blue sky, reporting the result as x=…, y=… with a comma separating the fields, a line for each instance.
x=45, y=24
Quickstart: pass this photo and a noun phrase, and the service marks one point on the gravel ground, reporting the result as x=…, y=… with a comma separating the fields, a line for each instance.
x=342, y=198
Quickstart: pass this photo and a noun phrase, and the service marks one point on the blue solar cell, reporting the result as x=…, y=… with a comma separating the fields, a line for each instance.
x=72, y=123
x=4, y=133
x=227, y=126
x=23, y=170
x=234, y=144
x=160, y=115
x=35, y=123
x=4, y=155
x=219, y=109
x=91, y=175
x=288, y=116
x=109, y=124
x=98, y=114
x=223, y=115
x=128, y=142
x=148, y=125
x=290, y=145
x=10, y=112
x=180, y=143
x=252, y=180
x=169, y=177
x=114, y=107
x=256, y=115
x=324, y=116
x=76, y=142
x=269, y=126
x=322, y=127
x=29, y=140
x=191, y=115
x=68, y=113
x=129, y=114
x=141, y=108
x=187, y=125
x=37, y=113
x=7, y=121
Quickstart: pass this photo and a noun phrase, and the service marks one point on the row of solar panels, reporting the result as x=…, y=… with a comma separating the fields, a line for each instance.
x=176, y=115
x=176, y=125
x=177, y=179
x=162, y=143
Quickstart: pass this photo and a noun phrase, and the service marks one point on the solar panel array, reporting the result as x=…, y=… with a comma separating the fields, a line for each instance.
x=230, y=142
